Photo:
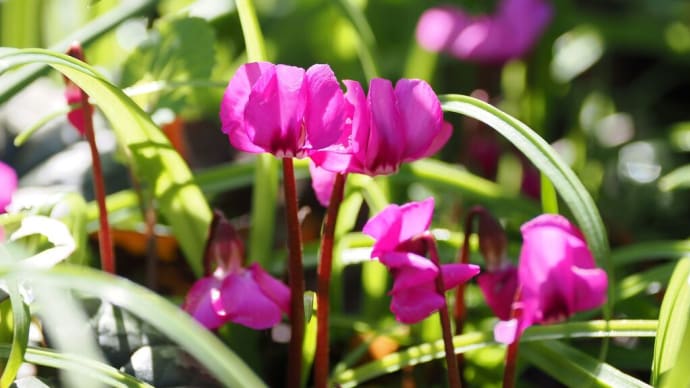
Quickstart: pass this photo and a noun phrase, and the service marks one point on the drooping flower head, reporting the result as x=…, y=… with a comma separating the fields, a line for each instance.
x=390, y=126
x=414, y=294
x=283, y=110
x=73, y=94
x=232, y=293
x=557, y=276
x=508, y=33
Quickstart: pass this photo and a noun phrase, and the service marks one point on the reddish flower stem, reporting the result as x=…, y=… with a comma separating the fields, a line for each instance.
x=321, y=358
x=451, y=361
x=295, y=276
x=105, y=242
x=510, y=370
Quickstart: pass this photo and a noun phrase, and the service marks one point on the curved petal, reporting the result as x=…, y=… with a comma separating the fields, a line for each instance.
x=590, y=288
x=506, y=332
x=234, y=103
x=440, y=140
x=456, y=274
x=8, y=185
x=413, y=305
x=416, y=218
x=421, y=116
x=200, y=301
x=322, y=182
x=273, y=288
x=274, y=114
x=387, y=141
x=437, y=27
x=245, y=303
x=498, y=288
x=412, y=276
x=385, y=228
x=327, y=110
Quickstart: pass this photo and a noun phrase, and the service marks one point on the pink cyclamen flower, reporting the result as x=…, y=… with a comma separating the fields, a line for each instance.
x=390, y=126
x=508, y=33
x=557, y=276
x=8, y=185
x=247, y=296
x=283, y=110
x=414, y=295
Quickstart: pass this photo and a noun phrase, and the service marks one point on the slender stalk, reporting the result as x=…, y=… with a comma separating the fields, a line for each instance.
x=321, y=360
x=512, y=352
x=105, y=242
x=295, y=276
x=451, y=361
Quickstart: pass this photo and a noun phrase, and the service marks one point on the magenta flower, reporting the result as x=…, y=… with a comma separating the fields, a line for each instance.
x=557, y=276
x=508, y=33
x=390, y=126
x=247, y=296
x=283, y=110
x=8, y=185
x=499, y=287
x=396, y=230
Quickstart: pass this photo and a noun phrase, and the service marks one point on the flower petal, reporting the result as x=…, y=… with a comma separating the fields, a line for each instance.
x=420, y=111
x=456, y=274
x=245, y=303
x=413, y=305
x=385, y=228
x=322, y=182
x=590, y=288
x=327, y=110
x=437, y=27
x=235, y=101
x=506, y=331
x=273, y=288
x=499, y=289
x=200, y=300
x=8, y=185
x=275, y=108
x=386, y=141
x=416, y=218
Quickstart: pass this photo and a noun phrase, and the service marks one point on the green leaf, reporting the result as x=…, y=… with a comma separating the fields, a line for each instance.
x=434, y=350
x=154, y=160
x=651, y=250
x=150, y=307
x=104, y=373
x=178, y=50
x=547, y=161
x=253, y=38
x=676, y=179
x=575, y=368
x=309, y=343
x=673, y=322
x=21, y=320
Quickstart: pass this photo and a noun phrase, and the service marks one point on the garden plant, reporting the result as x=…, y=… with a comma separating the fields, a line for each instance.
x=338, y=193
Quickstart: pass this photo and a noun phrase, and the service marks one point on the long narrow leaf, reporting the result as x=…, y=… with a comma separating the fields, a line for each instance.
x=673, y=321
x=21, y=320
x=150, y=307
x=155, y=161
x=101, y=372
x=463, y=343
x=575, y=368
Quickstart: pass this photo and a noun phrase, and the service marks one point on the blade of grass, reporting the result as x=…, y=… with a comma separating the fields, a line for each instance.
x=21, y=320
x=150, y=307
x=434, y=350
x=673, y=322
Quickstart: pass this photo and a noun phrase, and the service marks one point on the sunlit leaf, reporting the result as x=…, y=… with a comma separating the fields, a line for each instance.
x=673, y=322
x=155, y=161
x=57, y=234
x=20, y=321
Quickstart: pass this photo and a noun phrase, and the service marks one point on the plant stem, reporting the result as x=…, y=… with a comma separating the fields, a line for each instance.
x=321, y=360
x=512, y=351
x=105, y=242
x=451, y=361
x=295, y=276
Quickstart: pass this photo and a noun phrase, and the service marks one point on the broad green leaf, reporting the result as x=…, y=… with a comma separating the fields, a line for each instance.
x=154, y=160
x=101, y=372
x=434, y=350
x=178, y=50
x=575, y=368
x=150, y=307
x=673, y=322
x=677, y=376
x=20, y=321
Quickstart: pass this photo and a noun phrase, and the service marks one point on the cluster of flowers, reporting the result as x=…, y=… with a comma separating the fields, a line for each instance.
x=291, y=112
x=495, y=38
